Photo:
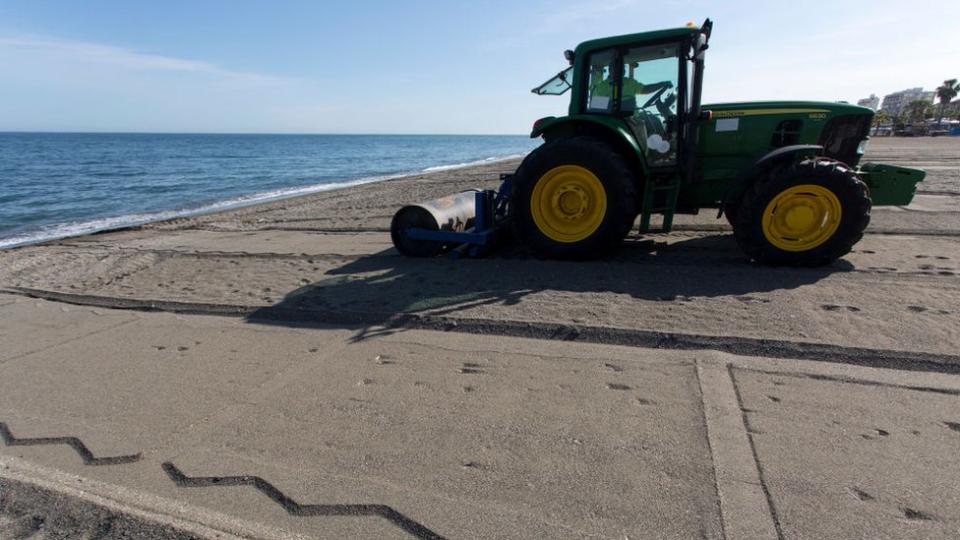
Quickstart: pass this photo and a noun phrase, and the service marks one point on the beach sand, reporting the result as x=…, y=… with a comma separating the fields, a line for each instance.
x=328, y=258
x=672, y=390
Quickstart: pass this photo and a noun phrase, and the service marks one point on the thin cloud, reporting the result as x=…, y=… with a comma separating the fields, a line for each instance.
x=573, y=16
x=85, y=52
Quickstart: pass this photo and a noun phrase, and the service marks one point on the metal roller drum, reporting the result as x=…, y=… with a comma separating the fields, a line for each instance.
x=454, y=213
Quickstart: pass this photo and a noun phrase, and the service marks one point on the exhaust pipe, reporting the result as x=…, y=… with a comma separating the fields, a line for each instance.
x=454, y=213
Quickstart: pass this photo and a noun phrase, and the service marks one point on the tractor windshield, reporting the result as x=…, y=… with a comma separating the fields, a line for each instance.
x=649, y=95
x=557, y=85
x=639, y=84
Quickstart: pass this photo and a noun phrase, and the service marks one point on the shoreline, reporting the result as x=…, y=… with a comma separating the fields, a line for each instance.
x=62, y=231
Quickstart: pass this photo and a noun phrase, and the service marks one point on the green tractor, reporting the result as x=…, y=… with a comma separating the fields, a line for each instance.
x=637, y=142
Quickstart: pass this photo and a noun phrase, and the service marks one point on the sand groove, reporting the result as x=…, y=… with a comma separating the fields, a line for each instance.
x=744, y=346
x=85, y=454
x=294, y=508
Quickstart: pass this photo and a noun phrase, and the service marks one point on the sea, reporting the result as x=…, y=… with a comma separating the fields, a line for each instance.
x=56, y=185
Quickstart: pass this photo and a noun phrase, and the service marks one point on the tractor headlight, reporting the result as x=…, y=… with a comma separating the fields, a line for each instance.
x=862, y=147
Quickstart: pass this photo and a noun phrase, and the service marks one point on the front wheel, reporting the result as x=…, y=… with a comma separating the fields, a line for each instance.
x=808, y=214
x=573, y=199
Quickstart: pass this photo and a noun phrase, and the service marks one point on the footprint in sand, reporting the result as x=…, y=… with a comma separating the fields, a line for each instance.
x=917, y=309
x=746, y=299
x=862, y=495
x=618, y=386
x=835, y=307
x=471, y=368
x=916, y=515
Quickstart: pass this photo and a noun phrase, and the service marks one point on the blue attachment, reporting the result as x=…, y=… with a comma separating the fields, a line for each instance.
x=490, y=205
x=476, y=237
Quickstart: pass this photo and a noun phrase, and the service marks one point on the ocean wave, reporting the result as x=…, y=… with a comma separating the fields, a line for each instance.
x=472, y=163
x=80, y=228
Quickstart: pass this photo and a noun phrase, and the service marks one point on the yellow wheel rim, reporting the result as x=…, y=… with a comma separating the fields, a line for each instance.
x=568, y=203
x=801, y=218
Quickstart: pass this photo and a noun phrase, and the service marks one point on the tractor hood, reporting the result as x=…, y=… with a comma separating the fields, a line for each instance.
x=735, y=135
x=753, y=108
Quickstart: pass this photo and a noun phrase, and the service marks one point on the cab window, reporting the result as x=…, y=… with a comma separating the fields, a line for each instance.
x=600, y=83
x=649, y=99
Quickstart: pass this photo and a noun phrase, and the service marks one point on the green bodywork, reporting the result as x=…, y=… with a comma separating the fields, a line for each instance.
x=730, y=137
x=890, y=185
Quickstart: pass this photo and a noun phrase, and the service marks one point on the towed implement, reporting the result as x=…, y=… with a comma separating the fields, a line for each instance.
x=638, y=143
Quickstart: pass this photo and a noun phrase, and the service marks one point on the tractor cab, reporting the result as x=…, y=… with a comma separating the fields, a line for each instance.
x=647, y=84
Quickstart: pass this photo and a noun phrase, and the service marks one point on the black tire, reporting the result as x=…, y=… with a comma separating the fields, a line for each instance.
x=730, y=212
x=613, y=172
x=850, y=191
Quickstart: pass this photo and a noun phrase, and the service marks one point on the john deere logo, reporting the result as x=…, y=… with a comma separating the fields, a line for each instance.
x=727, y=114
x=816, y=114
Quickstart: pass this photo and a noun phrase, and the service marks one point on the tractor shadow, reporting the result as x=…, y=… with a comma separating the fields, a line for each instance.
x=374, y=290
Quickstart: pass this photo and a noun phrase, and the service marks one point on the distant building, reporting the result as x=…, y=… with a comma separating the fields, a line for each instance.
x=872, y=102
x=895, y=102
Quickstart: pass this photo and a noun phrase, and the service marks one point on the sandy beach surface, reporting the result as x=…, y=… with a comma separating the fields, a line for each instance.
x=280, y=371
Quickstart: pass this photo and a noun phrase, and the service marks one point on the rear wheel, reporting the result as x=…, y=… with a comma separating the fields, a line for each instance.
x=730, y=212
x=573, y=199
x=808, y=214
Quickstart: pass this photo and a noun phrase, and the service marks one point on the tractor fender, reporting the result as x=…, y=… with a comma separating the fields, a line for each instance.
x=613, y=130
x=749, y=175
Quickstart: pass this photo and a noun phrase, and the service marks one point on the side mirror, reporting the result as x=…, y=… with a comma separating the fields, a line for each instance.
x=568, y=54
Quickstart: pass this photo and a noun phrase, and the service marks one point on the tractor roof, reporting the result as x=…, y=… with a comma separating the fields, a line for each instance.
x=668, y=34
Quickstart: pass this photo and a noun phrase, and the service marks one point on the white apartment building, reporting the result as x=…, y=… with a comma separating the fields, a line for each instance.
x=895, y=102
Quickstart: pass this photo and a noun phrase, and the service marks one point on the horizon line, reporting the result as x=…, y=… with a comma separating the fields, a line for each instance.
x=86, y=132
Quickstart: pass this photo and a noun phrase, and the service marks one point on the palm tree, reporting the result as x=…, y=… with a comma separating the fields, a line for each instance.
x=917, y=110
x=880, y=118
x=952, y=110
x=913, y=115
x=945, y=94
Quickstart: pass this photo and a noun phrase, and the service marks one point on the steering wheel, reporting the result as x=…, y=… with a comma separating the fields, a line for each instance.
x=656, y=96
x=663, y=105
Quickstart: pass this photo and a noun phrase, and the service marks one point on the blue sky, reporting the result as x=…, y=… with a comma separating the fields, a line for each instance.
x=421, y=67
